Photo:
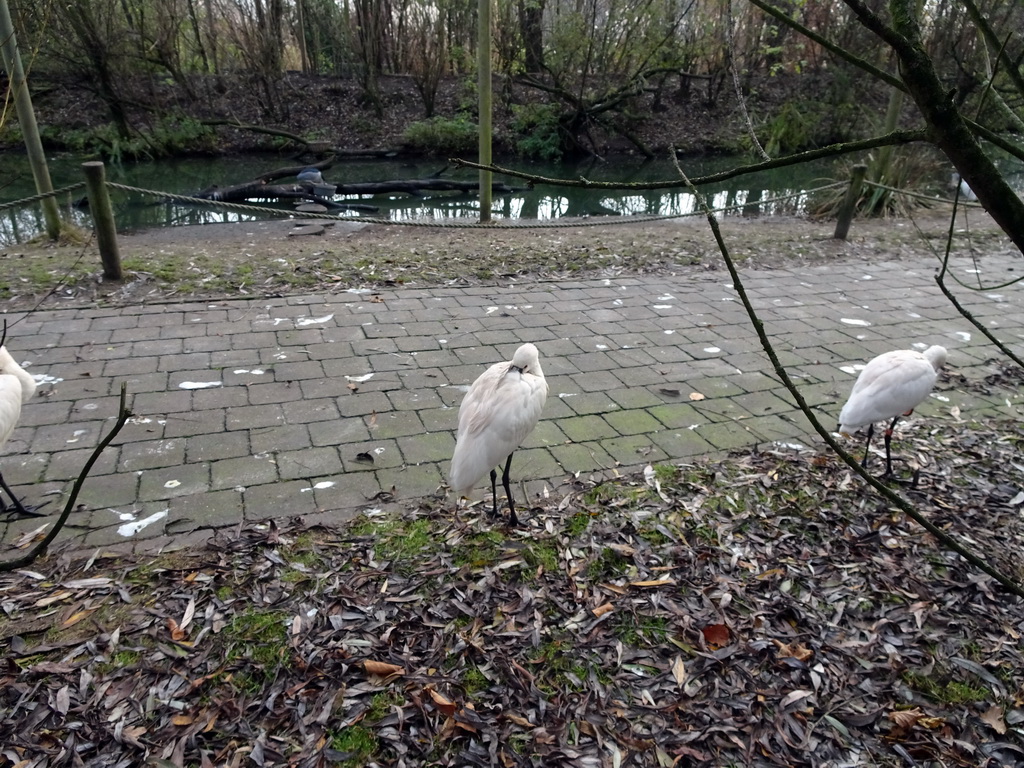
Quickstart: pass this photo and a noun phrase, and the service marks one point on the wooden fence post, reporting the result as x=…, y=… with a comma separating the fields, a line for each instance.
x=103, y=219
x=849, y=205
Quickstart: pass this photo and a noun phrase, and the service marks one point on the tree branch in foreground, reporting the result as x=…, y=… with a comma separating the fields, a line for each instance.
x=944, y=538
x=839, y=51
x=40, y=548
x=940, y=278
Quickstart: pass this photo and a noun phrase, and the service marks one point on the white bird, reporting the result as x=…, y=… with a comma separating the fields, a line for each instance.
x=890, y=386
x=310, y=174
x=16, y=387
x=499, y=411
x=965, y=189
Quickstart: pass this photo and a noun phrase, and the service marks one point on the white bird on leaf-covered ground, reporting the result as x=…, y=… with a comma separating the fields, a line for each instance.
x=16, y=387
x=890, y=386
x=499, y=411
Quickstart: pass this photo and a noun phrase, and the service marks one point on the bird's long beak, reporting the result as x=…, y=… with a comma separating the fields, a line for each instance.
x=516, y=368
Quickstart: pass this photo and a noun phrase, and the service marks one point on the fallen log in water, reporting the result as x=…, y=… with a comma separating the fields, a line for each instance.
x=416, y=187
x=254, y=190
x=261, y=188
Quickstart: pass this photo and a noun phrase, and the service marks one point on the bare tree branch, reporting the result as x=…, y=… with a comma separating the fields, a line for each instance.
x=40, y=548
x=1012, y=70
x=839, y=51
x=890, y=495
x=940, y=279
x=871, y=21
x=832, y=150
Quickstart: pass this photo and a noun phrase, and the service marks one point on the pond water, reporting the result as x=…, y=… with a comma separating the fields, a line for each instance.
x=785, y=190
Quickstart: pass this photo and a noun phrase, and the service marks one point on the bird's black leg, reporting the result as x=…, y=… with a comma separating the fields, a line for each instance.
x=888, y=440
x=14, y=499
x=494, y=493
x=867, y=446
x=512, y=519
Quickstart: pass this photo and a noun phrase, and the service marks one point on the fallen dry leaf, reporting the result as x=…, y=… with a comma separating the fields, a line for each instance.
x=382, y=668
x=796, y=651
x=994, y=717
x=716, y=635
x=445, y=705
x=781, y=595
x=906, y=718
x=679, y=671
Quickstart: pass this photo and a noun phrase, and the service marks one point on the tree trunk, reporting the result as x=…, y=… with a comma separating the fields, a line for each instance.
x=27, y=119
x=369, y=25
x=95, y=49
x=948, y=128
x=531, y=18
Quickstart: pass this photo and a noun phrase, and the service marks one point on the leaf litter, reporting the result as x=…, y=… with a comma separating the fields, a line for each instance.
x=758, y=610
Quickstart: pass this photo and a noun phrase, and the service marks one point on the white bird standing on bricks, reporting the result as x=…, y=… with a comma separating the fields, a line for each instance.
x=16, y=387
x=890, y=386
x=499, y=411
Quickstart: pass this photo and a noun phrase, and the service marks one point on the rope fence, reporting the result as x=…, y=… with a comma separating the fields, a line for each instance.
x=99, y=206
x=36, y=198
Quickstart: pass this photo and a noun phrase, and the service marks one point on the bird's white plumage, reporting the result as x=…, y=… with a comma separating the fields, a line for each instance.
x=890, y=385
x=501, y=408
x=16, y=387
x=966, y=193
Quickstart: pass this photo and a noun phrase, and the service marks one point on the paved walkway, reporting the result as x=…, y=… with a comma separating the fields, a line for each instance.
x=326, y=405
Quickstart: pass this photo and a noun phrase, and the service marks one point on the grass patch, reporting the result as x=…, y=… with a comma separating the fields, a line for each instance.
x=640, y=631
x=479, y=549
x=382, y=703
x=557, y=667
x=577, y=524
x=259, y=637
x=653, y=536
x=121, y=659
x=949, y=692
x=608, y=564
x=355, y=741
x=474, y=680
x=395, y=539
x=666, y=473
x=542, y=554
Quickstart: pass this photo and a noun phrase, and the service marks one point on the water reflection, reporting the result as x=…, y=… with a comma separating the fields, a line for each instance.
x=783, y=191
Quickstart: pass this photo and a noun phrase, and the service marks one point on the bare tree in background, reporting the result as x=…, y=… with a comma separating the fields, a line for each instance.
x=427, y=52
x=259, y=40
x=370, y=24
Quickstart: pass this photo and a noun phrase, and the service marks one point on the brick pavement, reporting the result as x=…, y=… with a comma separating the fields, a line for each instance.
x=325, y=405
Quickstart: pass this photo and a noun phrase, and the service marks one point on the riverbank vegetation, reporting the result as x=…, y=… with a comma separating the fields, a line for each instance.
x=143, y=78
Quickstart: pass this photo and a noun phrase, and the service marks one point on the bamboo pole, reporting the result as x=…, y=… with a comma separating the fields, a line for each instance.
x=484, y=89
x=27, y=120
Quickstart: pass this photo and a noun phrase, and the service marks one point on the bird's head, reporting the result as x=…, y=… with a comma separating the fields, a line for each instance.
x=526, y=360
x=936, y=355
